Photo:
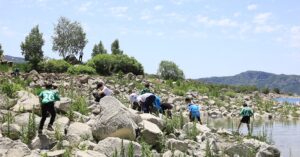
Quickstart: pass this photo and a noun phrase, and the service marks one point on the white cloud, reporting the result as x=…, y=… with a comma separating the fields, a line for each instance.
x=176, y=17
x=262, y=18
x=158, y=7
x=7, y=31
x=120, y=11
x=252, y=7
x=145, y=17
x=85, y=6
x=237, y=14
x=265, y=29
x=295, y=36
x=224, y=22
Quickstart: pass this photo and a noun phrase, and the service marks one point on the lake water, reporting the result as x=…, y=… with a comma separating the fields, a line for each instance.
x=289, y=100
x=284, y=134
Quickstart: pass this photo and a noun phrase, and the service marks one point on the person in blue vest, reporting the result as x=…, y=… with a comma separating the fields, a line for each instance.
x=164, y=108
x=194, y=110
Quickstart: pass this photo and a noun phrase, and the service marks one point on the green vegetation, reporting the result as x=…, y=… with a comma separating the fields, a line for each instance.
x=81, y=69
x=193, y=132
x=32, y=47
x=115, y=48
x=99, y=49
x=1, y=53
x=168, y=70
x=9, y=88
x=146, y=150
x=106, y=64
x=54, y=66
x=80, y=105
x=29, y=132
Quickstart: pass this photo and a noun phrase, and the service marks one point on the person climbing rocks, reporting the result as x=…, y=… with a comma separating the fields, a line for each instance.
x=146, y=89
x=102, y=91
x=246, y=113
x=194, y=110
x=164, y=108
x=133, y=102
x=146, y=102
x=47, y=100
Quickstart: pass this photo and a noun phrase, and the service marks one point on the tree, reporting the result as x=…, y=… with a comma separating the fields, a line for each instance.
x=32, y=47
x=69, y=37
x=1, y=53
x=168, y=70
x=99, y=49
x=115, y=48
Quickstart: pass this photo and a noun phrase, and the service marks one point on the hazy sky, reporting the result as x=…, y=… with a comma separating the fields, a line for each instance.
x=204, y=37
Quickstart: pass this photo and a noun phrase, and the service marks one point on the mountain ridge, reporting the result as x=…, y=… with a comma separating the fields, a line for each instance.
x=260, y=79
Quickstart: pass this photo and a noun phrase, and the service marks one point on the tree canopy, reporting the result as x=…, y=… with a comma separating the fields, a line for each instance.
x=115, y=48
x=99, y=49
x=32, y=47
x=168, y=70
x=69, y=37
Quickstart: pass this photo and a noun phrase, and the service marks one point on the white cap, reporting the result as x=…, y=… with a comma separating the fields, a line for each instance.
x=133, y=97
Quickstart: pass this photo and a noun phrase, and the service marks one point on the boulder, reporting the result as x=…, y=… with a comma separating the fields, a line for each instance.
x=26, y=102
x=115, y=120
x=13, y=131
x=56, y=153
x=84, y=79
x=42, y=142
x=89, y=153
x=110, y=144
x=63, y=105
x=151, y=118
x=23, y=119
x=174, y=144
x=87, y=145
x=12, y=148
x=150, y=133
x=269, y=151
x=215, y=114
x=240, y=150
x=168, y=154
x=62, y=124
x=81, y=129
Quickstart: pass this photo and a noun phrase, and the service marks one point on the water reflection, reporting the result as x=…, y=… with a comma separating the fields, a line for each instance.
x=285, y=134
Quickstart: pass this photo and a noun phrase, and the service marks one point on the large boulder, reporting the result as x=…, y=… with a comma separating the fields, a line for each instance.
x=174, y=144
x=80, y=129
x=12, y=131
x=115, y=120
x=12, y=148
x=269, y=151
x=89, y=153
x=42, y=142
x=151, y=118
x=63, y=105
x=150, y=133
x=23, y=119
x=111, y=144
x=240, y=150
x=26, y=102
x=62, y=124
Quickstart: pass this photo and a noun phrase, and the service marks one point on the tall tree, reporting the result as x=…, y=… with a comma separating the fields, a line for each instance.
x=115, y=48
x=99, y=49
x=69, y=37
x=1, y=53
x=168, y=70
x=32, y=47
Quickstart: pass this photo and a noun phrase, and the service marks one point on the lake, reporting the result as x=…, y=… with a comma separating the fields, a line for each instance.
x=288, y=100
x=285, y=134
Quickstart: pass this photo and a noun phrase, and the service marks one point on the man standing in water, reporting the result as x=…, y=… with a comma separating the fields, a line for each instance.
x=246, y=112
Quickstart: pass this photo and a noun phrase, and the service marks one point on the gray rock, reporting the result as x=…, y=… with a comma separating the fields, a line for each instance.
x=23, y=119
x=150, y=133
x=115, y=120
x=26, y=102
x=168, y=154
x=42, y=142
x=270, y=151
x=87, y=145
x=63, y=105
x=174, y=144
x=110, y=144
x=151, y=118
x=10, y=148
x=56, y=153
x=82, y=130
x=89, y=153
x=13, y=131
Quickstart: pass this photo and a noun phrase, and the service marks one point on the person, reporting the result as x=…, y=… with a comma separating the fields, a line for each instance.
x=102, y=91
x=80, y=56
x=134, y=103
x=246, y=113
x=146, y=89
x=194, y=110
x=146, y=102
x=163, y=107
x=47, y=100
x=16, y=72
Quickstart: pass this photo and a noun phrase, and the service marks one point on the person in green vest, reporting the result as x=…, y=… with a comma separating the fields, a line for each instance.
x=246, y=113
x=47, y=100
x=146, y=89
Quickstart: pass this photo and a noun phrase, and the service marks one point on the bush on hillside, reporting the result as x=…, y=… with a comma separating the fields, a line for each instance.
x=54, y=66
x=168, y=70
x=106, y=64
x=81, y=69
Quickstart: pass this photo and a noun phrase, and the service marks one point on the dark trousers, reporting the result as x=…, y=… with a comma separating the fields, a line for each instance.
x=49, y=107
x=80, y=58
x=136, y=106
x=98, y=96
x=148, y=104
x=167, y=107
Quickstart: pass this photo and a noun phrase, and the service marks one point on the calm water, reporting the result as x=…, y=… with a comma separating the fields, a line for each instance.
x=284, y=134
x=289, y=100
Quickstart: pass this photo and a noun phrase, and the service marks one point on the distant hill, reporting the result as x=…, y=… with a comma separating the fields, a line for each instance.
x=286, y=83
x=14, y=59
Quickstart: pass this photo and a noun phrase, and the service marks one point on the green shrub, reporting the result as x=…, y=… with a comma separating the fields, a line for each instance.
x=9, y=88
x=54, y=66
x=80, y=105
x=81, y=69
x=4, y=68
x=168, y=70
x=106, y=64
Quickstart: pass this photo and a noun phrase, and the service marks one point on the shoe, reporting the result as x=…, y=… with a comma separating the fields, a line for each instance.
x=40, y=131
x=50, y=128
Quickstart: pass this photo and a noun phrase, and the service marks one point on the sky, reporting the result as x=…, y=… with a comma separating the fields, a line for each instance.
x=203, y=37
